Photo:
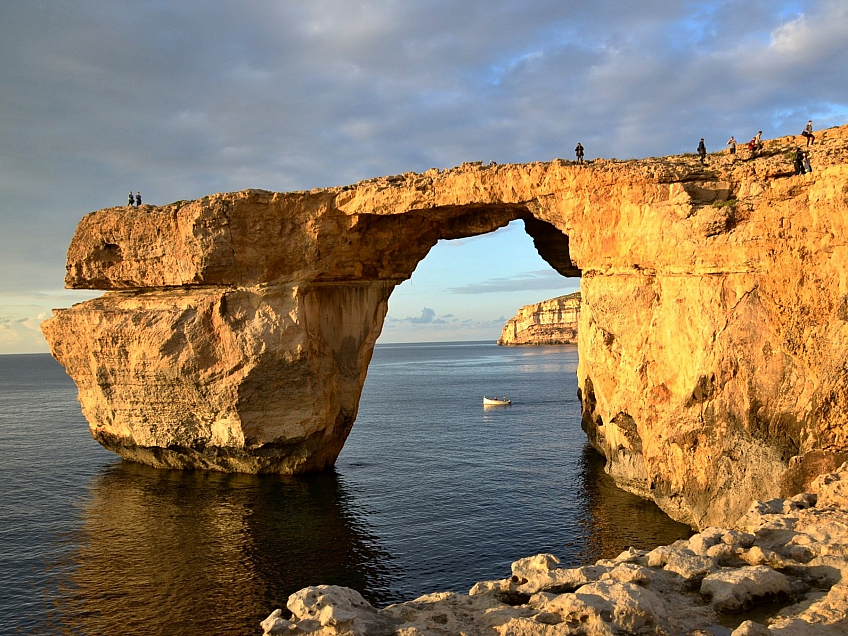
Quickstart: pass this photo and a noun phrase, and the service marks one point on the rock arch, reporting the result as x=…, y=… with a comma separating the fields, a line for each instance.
x=236, y=330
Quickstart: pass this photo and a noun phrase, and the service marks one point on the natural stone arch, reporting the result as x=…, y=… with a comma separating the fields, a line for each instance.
x=220, y=360
x=236, y=329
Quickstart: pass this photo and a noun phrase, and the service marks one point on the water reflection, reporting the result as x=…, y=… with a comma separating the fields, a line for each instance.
x=424, y=499
x=614, y=519
x=198, y=553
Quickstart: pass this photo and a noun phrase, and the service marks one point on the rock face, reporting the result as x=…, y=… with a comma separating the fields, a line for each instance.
x=789, y=553
x=550, y=322
x=236, y=330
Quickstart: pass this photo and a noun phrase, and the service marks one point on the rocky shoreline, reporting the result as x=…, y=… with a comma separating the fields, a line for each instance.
x=782, y=569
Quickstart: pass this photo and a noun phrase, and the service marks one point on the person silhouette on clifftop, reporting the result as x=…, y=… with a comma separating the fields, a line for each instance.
x=702, y=150
x=808, y=133
x=798, y=162
x=131, y=199
x=579, y=152
x=138, y=199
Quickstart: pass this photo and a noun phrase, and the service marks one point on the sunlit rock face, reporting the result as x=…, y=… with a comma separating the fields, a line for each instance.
x=237, y=329
x=260, y=379
x=550, y=322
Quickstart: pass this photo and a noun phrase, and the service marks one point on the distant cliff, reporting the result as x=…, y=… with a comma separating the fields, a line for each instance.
x=550, y=322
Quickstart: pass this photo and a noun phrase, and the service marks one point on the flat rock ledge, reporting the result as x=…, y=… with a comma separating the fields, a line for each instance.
x=782, y=570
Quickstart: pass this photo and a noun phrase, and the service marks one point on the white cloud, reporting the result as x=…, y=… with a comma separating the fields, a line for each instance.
x=426, y=316
x=22, y=335
x=290, y=96
x=546, y=279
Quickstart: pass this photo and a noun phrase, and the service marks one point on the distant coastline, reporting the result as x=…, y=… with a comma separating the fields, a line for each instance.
x=549, y=322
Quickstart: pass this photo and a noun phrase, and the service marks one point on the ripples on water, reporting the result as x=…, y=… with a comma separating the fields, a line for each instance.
x=431, y=492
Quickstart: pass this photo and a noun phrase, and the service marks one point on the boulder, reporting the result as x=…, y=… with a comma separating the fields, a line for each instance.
x=737, y=589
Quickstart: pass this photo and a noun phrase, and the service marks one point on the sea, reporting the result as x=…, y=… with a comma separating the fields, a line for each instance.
x=432, y=492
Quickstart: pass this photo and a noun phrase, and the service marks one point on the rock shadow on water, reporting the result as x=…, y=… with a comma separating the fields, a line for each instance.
x=614, y=519
x=195, y=552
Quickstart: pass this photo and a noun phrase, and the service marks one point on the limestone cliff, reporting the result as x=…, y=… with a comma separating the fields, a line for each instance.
x=550, y=322
x=236, y=330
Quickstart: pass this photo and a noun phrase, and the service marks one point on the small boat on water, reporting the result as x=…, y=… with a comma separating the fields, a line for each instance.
x=496, y=401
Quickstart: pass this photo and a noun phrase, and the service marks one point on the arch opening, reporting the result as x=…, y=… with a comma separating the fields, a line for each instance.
x=469, y=284
x=448, y=482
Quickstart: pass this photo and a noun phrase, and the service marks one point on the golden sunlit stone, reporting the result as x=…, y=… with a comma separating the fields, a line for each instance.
x=713, y=333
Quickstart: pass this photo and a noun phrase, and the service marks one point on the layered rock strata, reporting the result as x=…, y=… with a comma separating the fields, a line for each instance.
x=550, y=322
x=236, y=330
x=782, y=570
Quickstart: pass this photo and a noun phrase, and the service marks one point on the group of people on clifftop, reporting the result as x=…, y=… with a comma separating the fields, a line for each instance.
x=801, y=158
x=134, y=201
x=754, y=146
x=801, y=162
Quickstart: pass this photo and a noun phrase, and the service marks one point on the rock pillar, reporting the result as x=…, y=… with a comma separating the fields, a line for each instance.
x=262, y=379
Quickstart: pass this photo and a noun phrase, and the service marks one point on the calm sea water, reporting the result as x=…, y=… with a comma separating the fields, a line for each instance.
x=431, y=492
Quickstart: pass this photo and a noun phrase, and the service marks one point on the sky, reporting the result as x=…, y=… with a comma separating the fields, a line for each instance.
x=184, y=98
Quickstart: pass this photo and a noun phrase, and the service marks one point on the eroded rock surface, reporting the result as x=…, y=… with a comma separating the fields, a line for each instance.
x=550, y=322
x=236, y=329
x=791, y=554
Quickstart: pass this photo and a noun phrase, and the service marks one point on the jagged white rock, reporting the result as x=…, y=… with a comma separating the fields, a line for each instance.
x=638, y=592
x=338, y=609
x=735, y=589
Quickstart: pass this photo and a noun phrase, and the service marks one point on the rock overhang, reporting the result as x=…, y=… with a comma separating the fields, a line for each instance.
x=255, y=237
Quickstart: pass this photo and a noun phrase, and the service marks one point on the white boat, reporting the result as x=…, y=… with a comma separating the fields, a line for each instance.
x=496, y=401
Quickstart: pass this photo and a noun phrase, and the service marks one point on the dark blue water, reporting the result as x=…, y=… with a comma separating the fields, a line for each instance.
x=431, y=492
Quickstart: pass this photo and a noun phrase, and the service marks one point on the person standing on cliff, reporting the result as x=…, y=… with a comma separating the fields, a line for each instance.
x=702, y=150
x=759, y=140
x=798, y=162
x=138, y=199
x=131, y=199
x=732, y=143
x=579, y=152
x=808, y=133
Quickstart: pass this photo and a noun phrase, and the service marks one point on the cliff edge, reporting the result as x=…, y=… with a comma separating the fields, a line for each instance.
x=550, y=322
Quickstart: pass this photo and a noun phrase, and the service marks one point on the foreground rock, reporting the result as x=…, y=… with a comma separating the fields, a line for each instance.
x=236, y=330
x=787, y=559
x=550, y=322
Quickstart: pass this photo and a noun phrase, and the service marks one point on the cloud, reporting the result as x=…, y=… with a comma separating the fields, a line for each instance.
x=439, y=330
x=21, y=334
x=428, y=316
x=291, y=96
x=541, y=279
